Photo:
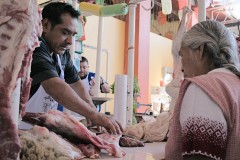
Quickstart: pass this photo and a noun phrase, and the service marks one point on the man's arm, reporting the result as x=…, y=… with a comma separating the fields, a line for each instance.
x=79, y=88
x=104, y=86
x=63, y=94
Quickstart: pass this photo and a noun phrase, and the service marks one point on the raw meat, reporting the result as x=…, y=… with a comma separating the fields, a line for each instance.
x=111, y=140
x=19, y=29
x=69, y=128
x=38, y=143
x=130, y=142
x=90, y=150
x=124, y=141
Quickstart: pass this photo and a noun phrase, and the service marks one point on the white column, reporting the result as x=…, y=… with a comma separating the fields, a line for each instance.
x=131, y=45
x=96, y=87
x=189, y=4
x=201, y=10
x=75, y=4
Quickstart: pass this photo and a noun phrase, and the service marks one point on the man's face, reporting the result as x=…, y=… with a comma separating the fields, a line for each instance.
x=59, y=37
x=84, y=68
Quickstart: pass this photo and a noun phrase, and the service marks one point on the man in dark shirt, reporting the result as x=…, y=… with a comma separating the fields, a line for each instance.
x=45, y=66
x=55, y=79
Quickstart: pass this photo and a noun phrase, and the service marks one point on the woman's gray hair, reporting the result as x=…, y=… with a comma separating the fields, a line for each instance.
x=219, y=43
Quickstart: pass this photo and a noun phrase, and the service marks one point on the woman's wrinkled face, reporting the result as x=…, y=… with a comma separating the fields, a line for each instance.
x=190, y=62
x=59, y=37
x=238, y=44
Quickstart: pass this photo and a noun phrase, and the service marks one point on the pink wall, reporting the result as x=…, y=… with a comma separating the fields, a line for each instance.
x=142, y=68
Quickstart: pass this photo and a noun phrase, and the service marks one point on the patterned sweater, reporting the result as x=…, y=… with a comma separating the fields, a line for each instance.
x=224, y=90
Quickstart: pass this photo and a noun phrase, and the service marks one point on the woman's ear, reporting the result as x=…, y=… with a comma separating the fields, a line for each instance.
x=198, y=53
x=201, y=53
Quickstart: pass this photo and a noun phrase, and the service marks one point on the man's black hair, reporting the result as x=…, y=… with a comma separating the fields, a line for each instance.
x=83, y=59
x=54, y=11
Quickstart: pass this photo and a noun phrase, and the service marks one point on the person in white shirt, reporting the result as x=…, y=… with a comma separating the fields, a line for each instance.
x=88, y=79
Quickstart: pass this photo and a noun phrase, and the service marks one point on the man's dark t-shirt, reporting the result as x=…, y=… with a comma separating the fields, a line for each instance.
x=45, y=66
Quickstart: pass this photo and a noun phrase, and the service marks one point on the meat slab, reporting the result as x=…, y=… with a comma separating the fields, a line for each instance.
x=69, y=128
x=90, y=150
x=19, y=29
x=39, y=143
x=130, y=142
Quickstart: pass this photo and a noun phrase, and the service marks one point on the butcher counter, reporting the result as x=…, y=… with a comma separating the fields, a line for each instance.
x=151, y=151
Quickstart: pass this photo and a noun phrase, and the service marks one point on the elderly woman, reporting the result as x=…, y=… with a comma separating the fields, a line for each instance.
x=206, y=121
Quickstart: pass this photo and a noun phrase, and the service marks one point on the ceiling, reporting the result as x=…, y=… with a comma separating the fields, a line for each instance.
x=225, y=11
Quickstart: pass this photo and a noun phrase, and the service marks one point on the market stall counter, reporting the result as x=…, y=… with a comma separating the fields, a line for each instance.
x=63, y=130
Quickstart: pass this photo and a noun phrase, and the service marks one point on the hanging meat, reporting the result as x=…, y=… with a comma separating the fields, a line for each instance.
x=19, y=28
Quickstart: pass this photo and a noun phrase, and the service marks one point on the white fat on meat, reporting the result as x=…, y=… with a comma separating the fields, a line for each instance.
x=39, y=143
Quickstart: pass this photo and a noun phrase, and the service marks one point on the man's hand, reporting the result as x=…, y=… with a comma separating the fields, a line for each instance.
x=91, y=91
x=109, y=123
x=92, y=82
